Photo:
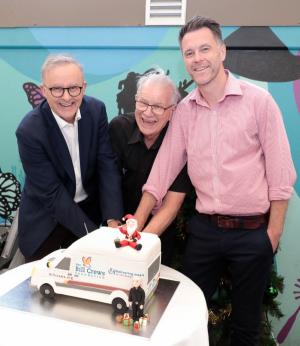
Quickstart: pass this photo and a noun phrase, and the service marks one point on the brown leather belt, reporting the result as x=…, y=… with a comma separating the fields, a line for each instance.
x=233, y=222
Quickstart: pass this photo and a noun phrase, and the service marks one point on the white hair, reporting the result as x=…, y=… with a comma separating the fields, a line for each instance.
x=159, y=76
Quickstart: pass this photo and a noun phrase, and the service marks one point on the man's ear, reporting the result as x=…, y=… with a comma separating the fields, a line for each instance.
x=43, y=90
x=172, y=110
x=84, y=87
x=223, y=51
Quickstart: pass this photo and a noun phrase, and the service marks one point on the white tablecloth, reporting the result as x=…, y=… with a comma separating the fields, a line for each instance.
x=183, y=323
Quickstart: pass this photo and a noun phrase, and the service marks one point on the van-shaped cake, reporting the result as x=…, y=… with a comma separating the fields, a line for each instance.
x=94, y=268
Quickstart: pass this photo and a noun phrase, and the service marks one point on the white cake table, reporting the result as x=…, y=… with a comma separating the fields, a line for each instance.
x=184, y=322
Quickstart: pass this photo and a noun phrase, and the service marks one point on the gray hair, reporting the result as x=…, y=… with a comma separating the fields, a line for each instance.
x=159, y=76
x=54, y=60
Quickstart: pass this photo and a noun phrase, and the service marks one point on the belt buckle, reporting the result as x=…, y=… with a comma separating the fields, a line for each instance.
x=225, y=221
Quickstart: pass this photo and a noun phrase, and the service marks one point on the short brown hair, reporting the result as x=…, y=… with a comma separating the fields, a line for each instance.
x=199, y=22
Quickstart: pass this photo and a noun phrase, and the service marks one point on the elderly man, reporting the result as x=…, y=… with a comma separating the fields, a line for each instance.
x=231, y=135
x=136, y=140
x=72, y=182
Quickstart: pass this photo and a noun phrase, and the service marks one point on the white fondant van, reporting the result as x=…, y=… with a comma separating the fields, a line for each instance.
x=93, y=268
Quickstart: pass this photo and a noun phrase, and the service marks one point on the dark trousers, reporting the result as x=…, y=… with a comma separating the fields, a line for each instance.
x=248, y=255
x=167, y=245
x=137, y=312
x=61, y=237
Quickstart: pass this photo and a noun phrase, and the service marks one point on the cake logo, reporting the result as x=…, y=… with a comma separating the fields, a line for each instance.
x=118, y=272
x=86, y=261
x=85, y=269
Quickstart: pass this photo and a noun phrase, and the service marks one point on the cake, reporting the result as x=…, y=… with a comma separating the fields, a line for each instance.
x=95, y=268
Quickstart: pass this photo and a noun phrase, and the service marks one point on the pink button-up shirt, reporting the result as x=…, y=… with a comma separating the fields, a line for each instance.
x=237, y=152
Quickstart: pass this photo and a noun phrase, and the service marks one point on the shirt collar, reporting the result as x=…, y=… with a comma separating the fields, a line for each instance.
x=61, y=122
x=232, y=87
x=137, y=137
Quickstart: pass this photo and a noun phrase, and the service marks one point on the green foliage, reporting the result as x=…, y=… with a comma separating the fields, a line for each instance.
x=220, y=310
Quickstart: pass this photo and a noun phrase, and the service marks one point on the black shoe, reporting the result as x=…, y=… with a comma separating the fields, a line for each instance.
x=138, y=247
x=117, y=243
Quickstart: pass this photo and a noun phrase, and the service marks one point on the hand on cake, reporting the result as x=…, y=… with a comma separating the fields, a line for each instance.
x=113, y=223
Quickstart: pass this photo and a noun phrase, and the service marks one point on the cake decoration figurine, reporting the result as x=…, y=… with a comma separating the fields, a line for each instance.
x=93, y=268
x=130, y=232
x=136, y=300
x=127, y=320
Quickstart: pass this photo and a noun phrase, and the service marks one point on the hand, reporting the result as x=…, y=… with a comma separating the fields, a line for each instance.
x=274, y=239
x=113, y=223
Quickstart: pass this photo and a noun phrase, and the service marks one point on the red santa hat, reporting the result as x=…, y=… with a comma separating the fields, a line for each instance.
x=128, y=216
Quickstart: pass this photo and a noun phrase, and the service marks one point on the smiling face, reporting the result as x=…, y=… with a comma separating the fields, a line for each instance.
x=64, y=76
x=155, y=93
x=203, y=56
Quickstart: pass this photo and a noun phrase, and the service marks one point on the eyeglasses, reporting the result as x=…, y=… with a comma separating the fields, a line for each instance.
x=156, y=109
x=59, y=91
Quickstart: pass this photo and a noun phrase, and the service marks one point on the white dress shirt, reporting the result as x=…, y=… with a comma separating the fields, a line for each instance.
x=70, y=133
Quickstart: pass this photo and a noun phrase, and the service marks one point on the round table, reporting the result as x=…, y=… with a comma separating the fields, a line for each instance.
x=184, y=321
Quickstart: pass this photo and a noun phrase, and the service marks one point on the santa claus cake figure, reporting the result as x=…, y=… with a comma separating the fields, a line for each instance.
x=130, y=232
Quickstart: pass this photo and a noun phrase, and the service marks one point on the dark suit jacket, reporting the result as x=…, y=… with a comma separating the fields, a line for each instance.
x=49, y=189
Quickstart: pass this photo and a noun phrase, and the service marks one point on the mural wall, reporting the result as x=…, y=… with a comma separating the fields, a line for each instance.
x=113, y=59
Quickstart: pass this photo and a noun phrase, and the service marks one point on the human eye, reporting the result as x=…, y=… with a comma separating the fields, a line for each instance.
x=157, y=109
x=74, y=88
x=141, y=105
x=57, y=90
x=144, y=104
x=188, y=53
x=204, y=49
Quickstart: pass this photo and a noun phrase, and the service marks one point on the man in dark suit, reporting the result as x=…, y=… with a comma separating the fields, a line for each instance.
x=72, y=183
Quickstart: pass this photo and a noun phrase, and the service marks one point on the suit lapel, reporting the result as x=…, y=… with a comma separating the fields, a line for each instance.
x=84, y=136
x=58, y=144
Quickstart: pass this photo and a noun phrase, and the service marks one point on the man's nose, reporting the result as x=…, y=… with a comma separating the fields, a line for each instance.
x=66, y=95
x=198, y=56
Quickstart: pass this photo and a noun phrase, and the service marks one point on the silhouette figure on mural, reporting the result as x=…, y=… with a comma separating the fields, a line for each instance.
x=182, y=86
x=125, y=98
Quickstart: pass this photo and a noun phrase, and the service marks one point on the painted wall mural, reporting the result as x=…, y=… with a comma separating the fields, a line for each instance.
x=33, y=93
x=113, y=59
x=10, y=194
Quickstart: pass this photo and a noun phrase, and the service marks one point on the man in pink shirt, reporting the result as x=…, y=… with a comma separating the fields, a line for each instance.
x=232, y=136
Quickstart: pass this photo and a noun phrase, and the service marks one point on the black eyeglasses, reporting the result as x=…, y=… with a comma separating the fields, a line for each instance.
x=59, y=91
x=156, y=109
